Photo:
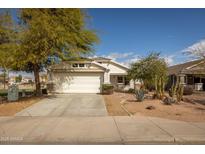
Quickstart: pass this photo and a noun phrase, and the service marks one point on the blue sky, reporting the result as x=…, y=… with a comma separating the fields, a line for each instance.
x=127, y=34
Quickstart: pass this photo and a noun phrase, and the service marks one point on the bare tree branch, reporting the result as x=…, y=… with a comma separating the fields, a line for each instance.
x=197, y=50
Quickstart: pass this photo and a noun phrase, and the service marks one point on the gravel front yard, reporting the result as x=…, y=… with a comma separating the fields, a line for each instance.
x=185, y=111
x=113, y=105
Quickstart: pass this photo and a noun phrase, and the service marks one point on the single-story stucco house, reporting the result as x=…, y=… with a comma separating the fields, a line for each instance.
x=86, y=75
x=190, y=74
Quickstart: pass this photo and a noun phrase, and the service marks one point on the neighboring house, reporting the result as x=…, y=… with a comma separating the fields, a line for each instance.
x=43, y=78
x=190, y=74
x=12, y=79
x=88, y=75
x=27, y=80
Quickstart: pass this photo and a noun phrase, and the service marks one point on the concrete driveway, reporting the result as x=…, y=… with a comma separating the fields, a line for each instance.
x=67, y=105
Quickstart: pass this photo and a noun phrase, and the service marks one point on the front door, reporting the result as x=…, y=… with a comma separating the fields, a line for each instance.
x=203, y=81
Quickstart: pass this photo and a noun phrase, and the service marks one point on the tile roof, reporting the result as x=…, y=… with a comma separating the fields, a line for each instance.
x=184, y=68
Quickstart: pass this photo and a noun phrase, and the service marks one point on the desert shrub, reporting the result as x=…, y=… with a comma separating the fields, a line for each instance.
x=139, y=95
x=188, y=90
x=107, y=88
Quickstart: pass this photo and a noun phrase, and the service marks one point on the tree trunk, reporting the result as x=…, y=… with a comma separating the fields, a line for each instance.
x=134, y=85
x=4, y=78
x=163, y=86
x=37, y=79
x=156, y=86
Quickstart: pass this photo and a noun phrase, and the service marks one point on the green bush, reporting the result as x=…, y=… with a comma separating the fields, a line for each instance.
x=131, y=90
x=107, y=88
x=3, y=93
x=28, y=92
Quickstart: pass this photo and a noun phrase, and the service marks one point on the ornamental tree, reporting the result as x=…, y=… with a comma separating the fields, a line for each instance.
x=49, y=34
x=7, y=43
x=152, y=71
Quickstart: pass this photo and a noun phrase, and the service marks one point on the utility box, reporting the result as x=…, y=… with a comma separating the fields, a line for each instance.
x=198, y=86
x=13, y=93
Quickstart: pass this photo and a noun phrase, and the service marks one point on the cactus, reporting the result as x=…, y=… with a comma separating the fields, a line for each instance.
x=139, y=95
x=180, y=91
x=159, y=87
x=162, y=85
x=177, y=90
x=173, y=89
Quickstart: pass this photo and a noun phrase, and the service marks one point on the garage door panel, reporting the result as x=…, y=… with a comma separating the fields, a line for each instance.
x=78, y=82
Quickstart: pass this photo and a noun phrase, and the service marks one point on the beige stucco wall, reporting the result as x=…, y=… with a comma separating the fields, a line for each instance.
x=114, y=68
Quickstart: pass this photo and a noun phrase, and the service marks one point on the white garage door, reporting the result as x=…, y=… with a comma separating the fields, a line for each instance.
x=78, y=82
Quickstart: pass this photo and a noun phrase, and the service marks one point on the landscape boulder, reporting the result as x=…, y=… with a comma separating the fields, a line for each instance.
x=139, y=95
x=150, y=107
x=169, y=101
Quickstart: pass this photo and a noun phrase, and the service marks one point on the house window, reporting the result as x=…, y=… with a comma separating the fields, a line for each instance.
x=190, y=80
x=81, y=65
x=127, y=81
x=119, y=79
x=75, y=65
x=185, y=79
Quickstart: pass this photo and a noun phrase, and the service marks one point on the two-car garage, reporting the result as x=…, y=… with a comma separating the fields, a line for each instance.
x=81, y=82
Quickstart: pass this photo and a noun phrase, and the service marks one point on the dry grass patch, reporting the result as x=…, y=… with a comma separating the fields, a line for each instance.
x=11, y=108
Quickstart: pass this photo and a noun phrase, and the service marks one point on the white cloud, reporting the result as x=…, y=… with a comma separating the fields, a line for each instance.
x=131, y=60
x=116, y=55
x=169, y=59
x=131, y=57
x=196, y=50
x=124, y=58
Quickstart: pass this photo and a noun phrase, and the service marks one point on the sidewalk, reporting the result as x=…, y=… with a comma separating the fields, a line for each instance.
x=99, y=130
